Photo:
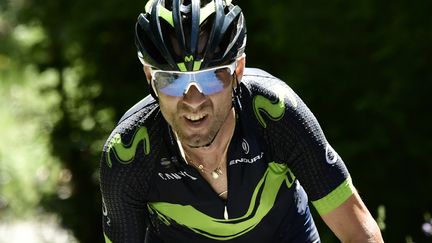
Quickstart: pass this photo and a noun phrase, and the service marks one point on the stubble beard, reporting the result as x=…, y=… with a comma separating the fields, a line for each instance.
x=198, y=140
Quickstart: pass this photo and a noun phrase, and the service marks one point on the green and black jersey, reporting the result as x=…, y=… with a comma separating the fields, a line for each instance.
x=278, y=160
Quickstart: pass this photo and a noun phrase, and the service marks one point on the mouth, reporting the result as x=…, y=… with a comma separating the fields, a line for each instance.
x=195, y=119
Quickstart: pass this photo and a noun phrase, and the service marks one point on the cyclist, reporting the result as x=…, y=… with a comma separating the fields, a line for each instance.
x=219, y=152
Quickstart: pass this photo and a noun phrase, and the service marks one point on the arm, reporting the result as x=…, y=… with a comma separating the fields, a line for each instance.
x=352, y=222
x=299, y=140
x=124, y=177
x=124, y=212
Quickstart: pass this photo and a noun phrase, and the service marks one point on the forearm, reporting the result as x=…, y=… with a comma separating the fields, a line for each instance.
x=370, y=233
x=352, y=223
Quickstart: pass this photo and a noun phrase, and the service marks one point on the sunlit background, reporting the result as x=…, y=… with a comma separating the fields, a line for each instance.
x=68, y=71
x=28, y=171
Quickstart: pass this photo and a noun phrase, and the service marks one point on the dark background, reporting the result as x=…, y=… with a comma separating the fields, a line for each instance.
x=363, y=67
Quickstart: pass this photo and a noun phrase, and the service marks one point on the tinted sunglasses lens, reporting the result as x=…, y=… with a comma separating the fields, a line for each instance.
x=172, y=84
x=209, y=81
x=213, y=81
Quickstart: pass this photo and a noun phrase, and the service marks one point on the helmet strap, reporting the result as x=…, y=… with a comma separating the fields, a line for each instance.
x=236, y=93
x=152, y=91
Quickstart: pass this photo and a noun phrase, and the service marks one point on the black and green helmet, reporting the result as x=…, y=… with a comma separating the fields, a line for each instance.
x=190, y=35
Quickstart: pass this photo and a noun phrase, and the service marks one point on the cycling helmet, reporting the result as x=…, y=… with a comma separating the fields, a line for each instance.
x=190, y=35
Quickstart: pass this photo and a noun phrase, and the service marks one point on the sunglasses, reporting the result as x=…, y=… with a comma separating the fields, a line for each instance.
x=208, y=81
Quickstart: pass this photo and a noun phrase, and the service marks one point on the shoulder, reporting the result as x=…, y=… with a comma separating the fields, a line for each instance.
x=133, y=133
x=287, y=123
x=271, y=97
x=126, y=162
x=294, y=137
x=281, y=112
x=143, y=107
x=261, y=81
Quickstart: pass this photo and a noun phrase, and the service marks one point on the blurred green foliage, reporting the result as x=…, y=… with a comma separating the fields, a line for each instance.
x=27, y=170
x=363, y=67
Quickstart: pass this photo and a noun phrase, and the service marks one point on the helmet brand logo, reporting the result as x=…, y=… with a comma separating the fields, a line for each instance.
x=189, y=58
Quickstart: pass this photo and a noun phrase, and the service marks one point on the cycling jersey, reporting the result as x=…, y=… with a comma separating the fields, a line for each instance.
x=277, y=160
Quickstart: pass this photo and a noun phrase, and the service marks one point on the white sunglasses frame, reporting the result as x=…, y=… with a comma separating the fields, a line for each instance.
x=232, y=67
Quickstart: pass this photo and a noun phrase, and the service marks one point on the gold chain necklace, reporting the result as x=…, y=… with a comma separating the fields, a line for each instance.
x=214, y=173
x=217, y=172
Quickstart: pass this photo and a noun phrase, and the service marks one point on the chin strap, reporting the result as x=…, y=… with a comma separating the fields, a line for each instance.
x=152, y=91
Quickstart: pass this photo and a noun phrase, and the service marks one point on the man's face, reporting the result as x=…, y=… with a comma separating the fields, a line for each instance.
x=195, y=117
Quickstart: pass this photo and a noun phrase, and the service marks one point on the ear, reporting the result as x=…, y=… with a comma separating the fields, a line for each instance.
x=241, y=64
x=147, y=72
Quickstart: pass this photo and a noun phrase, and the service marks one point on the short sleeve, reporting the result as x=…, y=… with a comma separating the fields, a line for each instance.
x=125, y=172
x=295, y=138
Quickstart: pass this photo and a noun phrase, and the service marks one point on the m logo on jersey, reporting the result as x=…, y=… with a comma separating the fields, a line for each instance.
x=273, y=109
x=125, y=153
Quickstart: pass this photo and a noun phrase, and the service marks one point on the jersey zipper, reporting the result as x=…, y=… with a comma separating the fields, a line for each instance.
x=225, y=212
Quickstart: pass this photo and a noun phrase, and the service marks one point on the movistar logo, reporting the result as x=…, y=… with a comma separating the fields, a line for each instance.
x=261, y=202
x=273, y=109
x=189, y=58
x=125, y=153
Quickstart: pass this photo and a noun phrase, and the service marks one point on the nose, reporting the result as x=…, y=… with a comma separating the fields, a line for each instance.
x=193, y=95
